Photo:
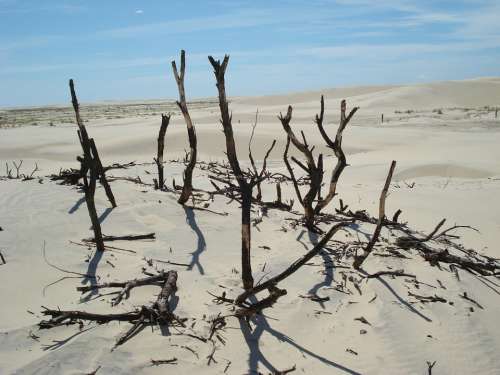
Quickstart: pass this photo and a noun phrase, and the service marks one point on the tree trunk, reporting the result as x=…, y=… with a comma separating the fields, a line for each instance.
x=188, y=172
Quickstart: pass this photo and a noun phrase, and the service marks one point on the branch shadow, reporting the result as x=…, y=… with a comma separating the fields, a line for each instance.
x=91, y=275
x=201, y=246
x=357, y=228
x=328, y=269
x=256, y=356
x=105, y=214
x=58, y=343
x=401, y=300
x=77, y=205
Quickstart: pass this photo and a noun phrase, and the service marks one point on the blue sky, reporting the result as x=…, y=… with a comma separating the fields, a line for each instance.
x=122, y=49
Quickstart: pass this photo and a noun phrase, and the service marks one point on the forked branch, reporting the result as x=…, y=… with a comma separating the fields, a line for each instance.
x=187, y=189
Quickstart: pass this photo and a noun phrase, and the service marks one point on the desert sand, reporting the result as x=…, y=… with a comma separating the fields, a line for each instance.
x=446, y=141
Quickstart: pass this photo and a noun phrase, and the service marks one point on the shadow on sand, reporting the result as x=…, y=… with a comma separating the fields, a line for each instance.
x=201, y=246
x=252, y=338
x=91, y=275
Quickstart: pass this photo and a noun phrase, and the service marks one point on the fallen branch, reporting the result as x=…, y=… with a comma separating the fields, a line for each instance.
x=126, y=286
x=130, y=237
x=157, y=362
x=400, y=273
x=157, y=313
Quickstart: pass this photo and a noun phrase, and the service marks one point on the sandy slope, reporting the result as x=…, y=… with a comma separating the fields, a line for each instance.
x=453, y=159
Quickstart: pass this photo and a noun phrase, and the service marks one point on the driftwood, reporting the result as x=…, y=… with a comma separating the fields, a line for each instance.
x=245, y=187
x=165, y=120
x=359, y=259
x=157, y=313
x=129, y=237
x=2, y=258
x=126, y=286
x=181, y=103
x=158, y=362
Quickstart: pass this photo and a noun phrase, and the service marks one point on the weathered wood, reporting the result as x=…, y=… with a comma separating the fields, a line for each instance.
x=244, y=186
x=359, y=259
x=157, y=313
x=336, y=146
x=87, y=163
x=102, y=173
x=182, y=104
x=161, y=304
x=313, y=169
x=165, y=120
x=126, y=286
x=128, y=237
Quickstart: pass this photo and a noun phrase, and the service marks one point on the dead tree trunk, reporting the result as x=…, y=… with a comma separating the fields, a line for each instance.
x=188, y=173
x=336, y=146
x=245, y=187
x=313, y=169
x=165, y=120
x=358, y=260
x=88, y=163
x=102, y=173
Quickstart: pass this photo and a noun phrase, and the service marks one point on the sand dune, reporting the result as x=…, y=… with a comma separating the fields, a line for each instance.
x=453, y=159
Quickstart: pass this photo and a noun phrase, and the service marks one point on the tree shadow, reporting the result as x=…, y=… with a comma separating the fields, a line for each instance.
x=105, y=214
x=201, y=246
x=357, y=228
x=77, y=205
x=58, y=343
x=91, y=275
x=328, y=269
x=401, y=300
x=256, y=356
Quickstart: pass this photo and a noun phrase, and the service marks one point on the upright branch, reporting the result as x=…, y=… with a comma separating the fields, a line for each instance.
x=336, y=146
x=165, y=120
x=90, y=154
x=313, y=168
x=359, y=259
x=102, y=174
x=188, y=173
x=245, y=186
x=88, y=163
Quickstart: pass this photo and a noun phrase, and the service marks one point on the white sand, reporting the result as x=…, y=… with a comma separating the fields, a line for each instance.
x=453, y=158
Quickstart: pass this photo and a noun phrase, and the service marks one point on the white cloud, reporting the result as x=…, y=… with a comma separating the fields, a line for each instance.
x=139, y=11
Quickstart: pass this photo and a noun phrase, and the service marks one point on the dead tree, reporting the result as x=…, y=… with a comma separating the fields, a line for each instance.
x=336, y=146
x=245, y=187
x=359, y=259
x=165, y=120
x=188, y=172
x=314, y=168
x=102, y=175
x=88, y=163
